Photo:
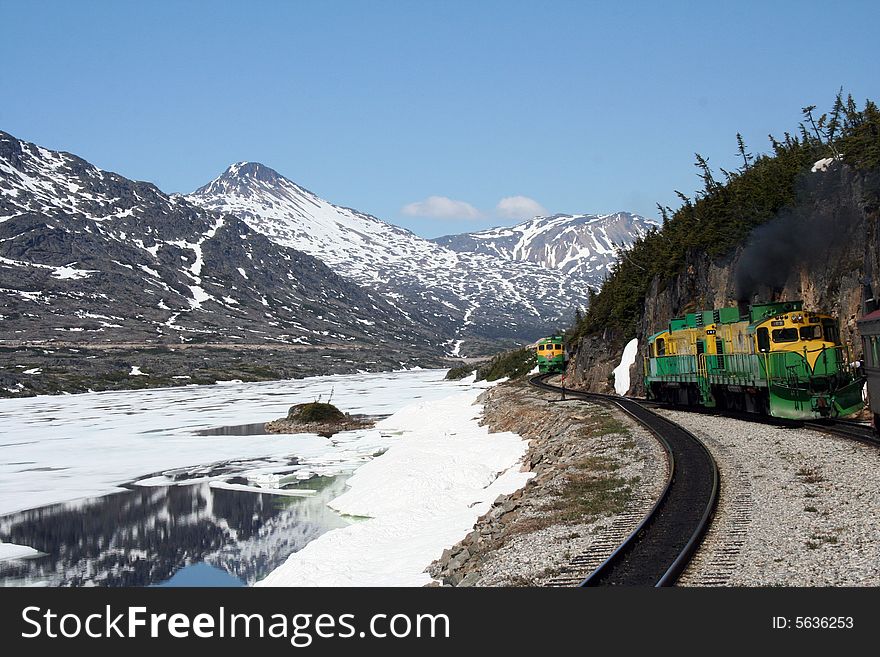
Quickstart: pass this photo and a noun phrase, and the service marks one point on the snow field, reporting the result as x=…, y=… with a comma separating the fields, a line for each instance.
x=621, y=372
x=422, y=496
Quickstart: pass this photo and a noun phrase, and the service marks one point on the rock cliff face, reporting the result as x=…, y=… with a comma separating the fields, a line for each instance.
x=820, y=250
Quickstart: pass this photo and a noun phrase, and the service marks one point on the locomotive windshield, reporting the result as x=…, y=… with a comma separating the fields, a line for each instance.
x=763, y=339
x=785, y=335
x=813, y=332
x=830, y=328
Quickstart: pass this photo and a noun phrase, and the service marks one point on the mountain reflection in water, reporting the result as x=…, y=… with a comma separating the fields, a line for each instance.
x=144, y=535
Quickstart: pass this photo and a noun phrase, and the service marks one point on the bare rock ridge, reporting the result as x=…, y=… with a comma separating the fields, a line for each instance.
x=581, y=245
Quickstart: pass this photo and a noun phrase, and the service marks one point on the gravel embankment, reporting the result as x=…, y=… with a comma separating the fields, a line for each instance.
x=797, y=508
x=597, y=473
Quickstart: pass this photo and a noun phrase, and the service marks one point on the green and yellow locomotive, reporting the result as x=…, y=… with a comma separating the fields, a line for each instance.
x=551, y=355
x=773, y=358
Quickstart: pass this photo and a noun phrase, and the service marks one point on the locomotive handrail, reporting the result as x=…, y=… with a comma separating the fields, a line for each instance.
x=743, y=365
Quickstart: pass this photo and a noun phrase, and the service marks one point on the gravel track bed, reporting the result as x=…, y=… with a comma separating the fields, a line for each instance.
x=525, y=540
x=797, y=507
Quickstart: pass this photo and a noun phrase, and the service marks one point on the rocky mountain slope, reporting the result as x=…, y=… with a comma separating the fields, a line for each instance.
x=581, y=245
x=477, y=299
x=820, y=249
x=89, y=256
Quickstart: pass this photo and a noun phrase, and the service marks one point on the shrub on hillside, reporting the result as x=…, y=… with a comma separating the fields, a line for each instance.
x=511, y=364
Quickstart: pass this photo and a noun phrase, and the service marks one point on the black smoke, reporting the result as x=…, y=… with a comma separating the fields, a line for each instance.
x=810, y=234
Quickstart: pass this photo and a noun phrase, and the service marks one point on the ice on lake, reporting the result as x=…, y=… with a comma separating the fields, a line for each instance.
x=61, y=448
x=140, y=487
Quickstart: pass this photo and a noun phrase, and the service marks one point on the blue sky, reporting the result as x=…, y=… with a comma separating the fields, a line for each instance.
x=430, y=114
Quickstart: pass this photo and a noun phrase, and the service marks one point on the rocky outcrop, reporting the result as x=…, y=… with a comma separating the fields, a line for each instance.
x=321, y=418
x=593, y=361
x=819, y=250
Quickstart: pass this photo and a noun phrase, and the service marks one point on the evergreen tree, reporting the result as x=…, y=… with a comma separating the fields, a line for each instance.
x=741, y=149
x=710, y=185
x=664, y=215
x=808, y=115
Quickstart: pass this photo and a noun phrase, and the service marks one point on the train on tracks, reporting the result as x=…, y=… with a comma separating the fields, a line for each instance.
x=551, y=355
x=771, y=358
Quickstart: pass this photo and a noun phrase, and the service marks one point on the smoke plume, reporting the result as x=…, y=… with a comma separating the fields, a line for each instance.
x=804, y=236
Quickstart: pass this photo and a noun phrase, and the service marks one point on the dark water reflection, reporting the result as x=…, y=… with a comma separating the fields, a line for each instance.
x=254, y=429
x=144, y=536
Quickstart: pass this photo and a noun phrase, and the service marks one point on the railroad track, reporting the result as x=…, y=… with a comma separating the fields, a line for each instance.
x=656, y=553
x=859, y=431
x=863, y=433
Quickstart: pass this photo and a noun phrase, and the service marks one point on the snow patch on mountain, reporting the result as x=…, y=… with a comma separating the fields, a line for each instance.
x=584, y=246
x=78, y=243
x=468, y=294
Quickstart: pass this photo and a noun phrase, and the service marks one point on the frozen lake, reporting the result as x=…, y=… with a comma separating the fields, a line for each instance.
x=191, y=534
x=176, y=495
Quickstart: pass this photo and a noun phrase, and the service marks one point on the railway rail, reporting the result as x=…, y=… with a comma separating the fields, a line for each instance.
x=661, y=546
x=852, y=430
x=859, y=431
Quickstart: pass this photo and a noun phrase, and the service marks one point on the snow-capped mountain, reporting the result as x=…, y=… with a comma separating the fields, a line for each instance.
x=88, y=255
x=581, y=245
x=472, y=297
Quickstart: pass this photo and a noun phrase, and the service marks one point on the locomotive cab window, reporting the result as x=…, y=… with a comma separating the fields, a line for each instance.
x=785, y=335
x=540, y=347
x=830, y=328
x=763, y=339
x=660, y=347
x=558, y=346
x=813, y=332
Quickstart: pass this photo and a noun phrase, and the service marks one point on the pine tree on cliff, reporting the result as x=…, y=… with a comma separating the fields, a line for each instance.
x=741, y=149
x=710, y=185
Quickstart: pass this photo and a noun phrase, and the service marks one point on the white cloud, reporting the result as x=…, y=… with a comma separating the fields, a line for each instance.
x=519, y=207
x=441, y=207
